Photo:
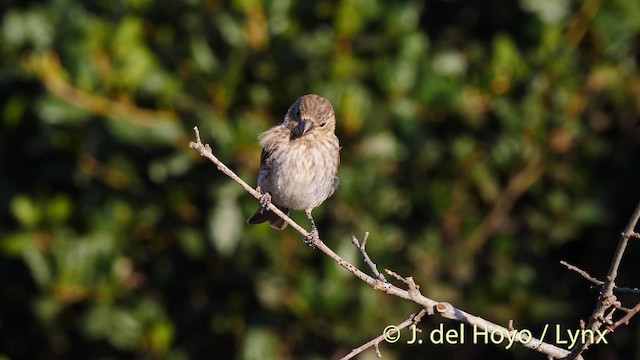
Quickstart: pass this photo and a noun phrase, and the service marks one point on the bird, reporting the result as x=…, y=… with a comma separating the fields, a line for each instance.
x=299, y=161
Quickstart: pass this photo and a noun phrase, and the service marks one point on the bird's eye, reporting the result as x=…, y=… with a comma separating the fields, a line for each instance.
x=323, y=124
x=298, y=113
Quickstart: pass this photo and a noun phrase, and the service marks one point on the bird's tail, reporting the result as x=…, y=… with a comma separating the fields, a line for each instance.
x=263, y=215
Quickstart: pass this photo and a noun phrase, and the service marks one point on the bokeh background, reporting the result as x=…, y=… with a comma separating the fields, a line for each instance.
x=482, y=143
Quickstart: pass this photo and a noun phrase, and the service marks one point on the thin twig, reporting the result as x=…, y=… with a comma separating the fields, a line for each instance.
x=599, y=283
x=388, y=333
x=625, y=320
x=365, y=256
x=396, y=276
x=583, y=273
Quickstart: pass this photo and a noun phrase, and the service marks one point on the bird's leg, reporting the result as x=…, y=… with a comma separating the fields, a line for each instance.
x=265, y=200
x=313, y=237
x=313, y=223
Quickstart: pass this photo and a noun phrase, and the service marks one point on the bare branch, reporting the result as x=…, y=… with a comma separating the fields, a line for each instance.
x=606, y=299
x=413, y=294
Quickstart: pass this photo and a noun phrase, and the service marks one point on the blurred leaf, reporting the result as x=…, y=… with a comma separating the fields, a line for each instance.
x=162, y=335
x=116, y=325
x=160, y=132
x=260, y=344
x=352, y=15
x=47, y=310
x=449, y=63
x=59, y=209
x=14, y=110
x=28, y=28
x=203, y=57
x=38, y=265
x=225, y=220
x=14, y=244
x=135, y=62
x=26, y=211
x=56, y=111
x=174, y=166
x=550, y=11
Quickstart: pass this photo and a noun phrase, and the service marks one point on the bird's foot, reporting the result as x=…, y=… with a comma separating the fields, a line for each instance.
x=265, y=200
x=312, y=238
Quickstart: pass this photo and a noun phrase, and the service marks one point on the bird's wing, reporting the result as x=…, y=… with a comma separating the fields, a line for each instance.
x=264, y=157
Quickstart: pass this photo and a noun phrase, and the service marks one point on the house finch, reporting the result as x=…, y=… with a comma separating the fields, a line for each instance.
x=299, y=161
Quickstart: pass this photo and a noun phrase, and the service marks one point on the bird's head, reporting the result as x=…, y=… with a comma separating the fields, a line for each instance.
x=310, y=114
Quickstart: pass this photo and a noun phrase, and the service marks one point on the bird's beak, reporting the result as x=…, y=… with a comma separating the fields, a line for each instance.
x=304, y=126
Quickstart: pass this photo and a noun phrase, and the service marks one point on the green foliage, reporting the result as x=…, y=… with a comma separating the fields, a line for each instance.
x=481, y=144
